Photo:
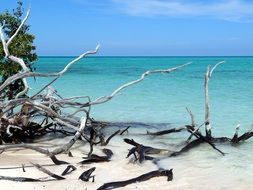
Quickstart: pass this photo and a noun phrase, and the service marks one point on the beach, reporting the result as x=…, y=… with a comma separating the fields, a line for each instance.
x=199, y=168
x=116, y=94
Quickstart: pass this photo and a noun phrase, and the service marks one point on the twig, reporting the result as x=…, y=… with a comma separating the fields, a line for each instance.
x=125, y=130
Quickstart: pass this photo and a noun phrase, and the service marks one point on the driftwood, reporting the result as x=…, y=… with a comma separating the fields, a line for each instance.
x=207, y=106
x=187, y=147
x=93, y=158
x=206, y=139
x=35, y=148
x=68, y=170
x=85, y=176
x=139, y=151
x=125, y=130
x=70, y=154
x=56, y=161
x=44, y=170
x=27, y=179
x=243, y=137
x=104, y=143
x=144, y=177
x=20, y=179
x=165, y=132
x=23, y=168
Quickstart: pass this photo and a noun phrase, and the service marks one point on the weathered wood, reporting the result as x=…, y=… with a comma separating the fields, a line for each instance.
x=125, y=130
x=139, y=151
x=56, y=161
x=192, y=117
x=68, y=170
x=93, y=158
x=23, y=168
x=70, y=154
x=44, y=170
x=104, y=143
x=245, y=136
x=187, y=147
x=165, y=132
x=19, y=179
x=206, y=139
x=35, y=148
x=207, y=105
x=85, y=176
x=104, y=99
x=144, y=177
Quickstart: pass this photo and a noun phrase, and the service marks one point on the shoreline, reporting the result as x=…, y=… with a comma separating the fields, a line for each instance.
x=199, y=168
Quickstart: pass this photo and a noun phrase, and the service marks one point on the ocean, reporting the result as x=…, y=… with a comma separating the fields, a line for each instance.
x=160, y=98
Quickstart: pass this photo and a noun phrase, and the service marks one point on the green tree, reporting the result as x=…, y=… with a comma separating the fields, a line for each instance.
x=21, y=46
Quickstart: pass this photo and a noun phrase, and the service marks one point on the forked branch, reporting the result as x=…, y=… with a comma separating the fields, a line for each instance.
x=208, y=76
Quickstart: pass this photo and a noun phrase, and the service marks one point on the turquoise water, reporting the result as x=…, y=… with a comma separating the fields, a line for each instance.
x=160, y=98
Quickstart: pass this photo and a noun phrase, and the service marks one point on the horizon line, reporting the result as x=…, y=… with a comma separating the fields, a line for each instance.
x=97, y=56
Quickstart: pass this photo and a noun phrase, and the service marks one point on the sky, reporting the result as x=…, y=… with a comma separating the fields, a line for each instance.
x=141, y=27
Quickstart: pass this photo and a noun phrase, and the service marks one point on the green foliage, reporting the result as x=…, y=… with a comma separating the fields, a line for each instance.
x=21, y=46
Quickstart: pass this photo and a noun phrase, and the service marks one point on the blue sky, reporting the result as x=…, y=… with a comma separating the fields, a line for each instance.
x=141, y=27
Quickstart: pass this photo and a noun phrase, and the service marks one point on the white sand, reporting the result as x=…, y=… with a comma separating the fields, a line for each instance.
x=201, y=168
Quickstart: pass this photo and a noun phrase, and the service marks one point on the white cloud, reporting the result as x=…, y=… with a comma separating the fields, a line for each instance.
x=231, y=10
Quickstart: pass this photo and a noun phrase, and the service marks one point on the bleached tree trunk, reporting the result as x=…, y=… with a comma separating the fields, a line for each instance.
x=207, y=105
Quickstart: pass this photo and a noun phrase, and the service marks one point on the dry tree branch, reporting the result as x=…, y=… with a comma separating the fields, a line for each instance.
x=104, y=99
x=143, y=177
x=25, y=69
x=57, y=74
x=192, y=117
x=194, y=132
x=19, y=28
x=6, y=51
x=77, y=135
x=235, y=137
x=207, y=106
x=14, y=58
x=44, y=170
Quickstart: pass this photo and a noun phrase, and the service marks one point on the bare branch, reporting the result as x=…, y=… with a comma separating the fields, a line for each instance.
x=77, y=59
x=78, y=134
x=19, y=28
x=6, y=51
x=207, y=106
x=235, y=137
x=27, y=73
x=214, y=67
x=192, y=117
x=104, y=99
x=44, y=170
x=6, y=44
